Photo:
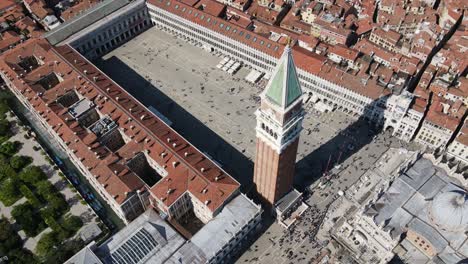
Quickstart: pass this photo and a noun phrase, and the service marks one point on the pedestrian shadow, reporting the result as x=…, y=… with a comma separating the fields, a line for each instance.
x=196, y=132
x=342, y=146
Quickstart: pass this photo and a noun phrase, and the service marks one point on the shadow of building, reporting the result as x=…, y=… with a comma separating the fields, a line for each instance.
x=195, y=131
x=343, y=145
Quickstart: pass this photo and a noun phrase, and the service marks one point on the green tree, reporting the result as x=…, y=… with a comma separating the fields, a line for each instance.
x=21, y=256
x=30, y=196
x=9, y=239
x=44, y=188
x=4, y=108
x=9, y=148
x=19, y=162
x=64, y=251
x=47, y=243
x=72, y=223
x=29, y=221
x=32, y=175
x=4, y=127
x=6, y=171
x=9, y=191
x=57, y=202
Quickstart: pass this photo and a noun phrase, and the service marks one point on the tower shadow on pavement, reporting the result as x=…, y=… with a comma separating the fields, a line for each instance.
x=338, y=149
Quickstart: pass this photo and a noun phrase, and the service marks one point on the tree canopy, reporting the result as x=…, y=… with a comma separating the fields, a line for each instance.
x=32, y=175
x=28, y=219
x=9, y=191
x=19, y=162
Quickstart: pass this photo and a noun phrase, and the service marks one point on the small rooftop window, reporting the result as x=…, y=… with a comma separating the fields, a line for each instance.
x=247, y=36
x=221, y=25
x=255, y=39
x=183, y=9
x=196, y=14
x=228, y=27
x=268, y=45
x=176, y=6
x=168, y=3
x=241, y=33
x=234, y=30
x=202, y=16
x=276, y=48
x=208, y=19
x=262, y=42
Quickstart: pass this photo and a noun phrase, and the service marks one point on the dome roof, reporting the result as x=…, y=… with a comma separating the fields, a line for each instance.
x=449, y=210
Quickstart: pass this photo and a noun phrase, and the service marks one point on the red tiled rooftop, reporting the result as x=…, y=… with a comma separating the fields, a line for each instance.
x=76, y=9
x=6, y=4
x=210, y=7
x=146, y=131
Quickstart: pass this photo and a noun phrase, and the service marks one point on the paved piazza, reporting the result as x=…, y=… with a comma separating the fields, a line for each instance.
x=215, y=111
x=211, y=108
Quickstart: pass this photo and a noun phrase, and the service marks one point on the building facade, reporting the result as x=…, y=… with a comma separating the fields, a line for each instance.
x=279, y=123
x=262, y=54
x=103, y=27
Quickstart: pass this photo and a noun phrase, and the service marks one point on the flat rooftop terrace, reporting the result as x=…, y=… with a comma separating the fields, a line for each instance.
x=209, y=107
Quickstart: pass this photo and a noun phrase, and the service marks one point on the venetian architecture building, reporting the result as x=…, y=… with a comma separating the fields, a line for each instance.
x=279, y=123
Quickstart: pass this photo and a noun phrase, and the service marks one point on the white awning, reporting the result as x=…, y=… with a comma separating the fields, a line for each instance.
x=253, y=76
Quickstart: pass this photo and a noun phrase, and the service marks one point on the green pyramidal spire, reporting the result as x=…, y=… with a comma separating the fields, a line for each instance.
x=284, y=88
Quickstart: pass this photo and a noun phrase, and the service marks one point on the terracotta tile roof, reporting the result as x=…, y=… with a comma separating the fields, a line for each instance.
x=6, y=5
x=211, y=7
x=7, y=39
x=344, y=52
x=39, y=8
x=419, y=104
x=449, y=119
x=391, y=36
x=221, y=26
x=367, y=87
x=294, y=22
x=264, y=13
x=77, y=8
x=364, y=26
x=13, y=15
x=147, y=132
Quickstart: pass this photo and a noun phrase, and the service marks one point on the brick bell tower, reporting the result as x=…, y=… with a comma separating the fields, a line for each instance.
x=279, y=123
